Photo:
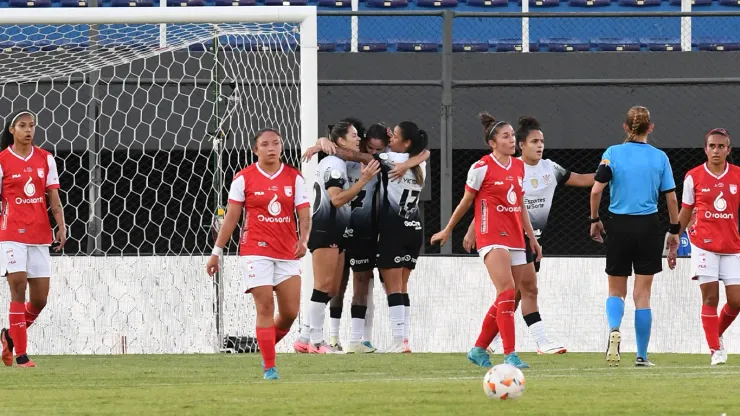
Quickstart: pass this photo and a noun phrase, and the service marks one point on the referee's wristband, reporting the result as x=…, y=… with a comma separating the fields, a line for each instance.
x=217, y=251
x=594, y=220
x=674, y=228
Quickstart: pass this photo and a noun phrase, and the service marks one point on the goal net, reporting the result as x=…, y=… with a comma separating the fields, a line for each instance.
x=149, y=113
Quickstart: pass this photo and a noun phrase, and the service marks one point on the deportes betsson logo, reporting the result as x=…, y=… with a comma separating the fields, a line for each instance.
x=30, y=190
x=720, y=204
x=274, y=209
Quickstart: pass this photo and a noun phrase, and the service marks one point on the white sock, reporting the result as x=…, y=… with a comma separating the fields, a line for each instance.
x=316, y=315
x=497, y=344
x=407, y=322
x=369, y=315
x=305, y=334
x=397, y=315
x=537, y=331
x=357, y=330
x=334, y=327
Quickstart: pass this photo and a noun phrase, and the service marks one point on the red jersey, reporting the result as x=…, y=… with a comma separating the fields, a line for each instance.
x=717, y=200
x=23, y=187
x=271, y=202
x=498, y=202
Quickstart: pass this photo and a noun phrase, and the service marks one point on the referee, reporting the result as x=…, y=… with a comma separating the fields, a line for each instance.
x=636, y=173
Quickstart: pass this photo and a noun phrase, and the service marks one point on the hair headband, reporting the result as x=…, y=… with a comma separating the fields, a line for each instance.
x=490, y=133
x=17, y=116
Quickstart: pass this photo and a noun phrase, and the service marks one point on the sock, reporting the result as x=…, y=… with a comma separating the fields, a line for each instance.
x=357, y=328
x=505, y=306
x=643, y=324
x=726, y=317
x=370, y=313
x=614, y=311
x=31, y=314
x=316, y=315
x=397, y=314
x=407, y=316
x=280, y=333
x=335, y=318
x=536, y=328
x=489, y=329
x=305, y=335
x=17, y=330
x=709, y=322
x=266, y=342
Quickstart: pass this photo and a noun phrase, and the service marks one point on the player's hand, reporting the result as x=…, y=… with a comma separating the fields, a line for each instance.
x=672, y=242
x=310, y=153
x=327, y=146
x=60, y=239
x=212, y=265
x=672, y=254
x=536, y=248
x=597, y=232
x=398, y=171
x=301, y=247
x=441, y=237
x=469, y=241
x=370, y=170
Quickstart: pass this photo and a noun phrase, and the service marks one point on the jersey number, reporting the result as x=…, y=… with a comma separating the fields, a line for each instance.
x=316, y=197
x=357, y=200
x=408, y=203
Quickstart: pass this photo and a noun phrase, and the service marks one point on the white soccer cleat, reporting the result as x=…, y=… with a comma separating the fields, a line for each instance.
x=551, y=348
x=359, y=348
x=718, y=358
x=395, y=348
x=612, y=350
x=722, y=348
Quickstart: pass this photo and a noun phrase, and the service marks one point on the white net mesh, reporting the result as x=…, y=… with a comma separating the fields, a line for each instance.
x=148, y=123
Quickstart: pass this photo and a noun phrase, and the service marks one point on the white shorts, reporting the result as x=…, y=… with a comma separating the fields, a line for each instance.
x=707, y=266
x=518, y=256
x=266, y=271
x=19, y=257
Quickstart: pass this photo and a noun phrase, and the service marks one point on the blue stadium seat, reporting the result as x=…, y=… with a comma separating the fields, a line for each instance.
x=487, y=3
x=589, y=3
x=334, y=3
x=565, y=44
x=185, y=3
x=236, y=2
x=387, y=3
x=639, y=3
x=469, y=46
x=616, y=44
x=325, y=46
x=418, y=46
x=286, y=2
x=132, y=3
x=511, y=45
x=74, y=3
x=693, y=2
x=372, y=46
x=734, y=3
x=717, y=44
x=661, y=44
x=29, y=3
x=436, y=3
x=542, y=3
x=267, y=45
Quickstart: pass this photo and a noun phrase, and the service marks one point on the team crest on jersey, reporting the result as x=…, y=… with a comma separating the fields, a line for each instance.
x=546, y=179
x=28, y=169
x=40, y=171
x=288, y=191
x=535, y=183
x=733, y=189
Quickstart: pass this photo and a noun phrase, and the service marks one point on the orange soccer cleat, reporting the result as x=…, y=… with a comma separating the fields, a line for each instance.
x=7, y=353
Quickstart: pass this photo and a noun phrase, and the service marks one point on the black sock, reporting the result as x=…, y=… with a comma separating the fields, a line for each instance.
x=406, y=299
x=335, y=313
x=358, y=311
x=22, y=359
x=532, y=318
x=320, y=297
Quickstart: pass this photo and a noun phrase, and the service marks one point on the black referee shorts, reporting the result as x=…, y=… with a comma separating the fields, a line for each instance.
x=531, y=255
x=634, y=242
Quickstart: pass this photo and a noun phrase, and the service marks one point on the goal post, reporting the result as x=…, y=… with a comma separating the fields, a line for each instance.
x=149, y=112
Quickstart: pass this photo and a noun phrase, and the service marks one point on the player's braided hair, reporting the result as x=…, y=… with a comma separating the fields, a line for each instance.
x=6, y=139
x=419, y=140
x=638, y=121
x=490, y=126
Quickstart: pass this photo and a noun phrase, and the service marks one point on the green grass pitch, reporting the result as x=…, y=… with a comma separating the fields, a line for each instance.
x=376, y=384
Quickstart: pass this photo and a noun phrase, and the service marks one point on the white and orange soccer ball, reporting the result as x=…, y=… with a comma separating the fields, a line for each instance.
x=504, y=382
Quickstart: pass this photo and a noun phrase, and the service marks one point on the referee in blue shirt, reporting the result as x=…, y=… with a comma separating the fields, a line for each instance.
x=636, y=173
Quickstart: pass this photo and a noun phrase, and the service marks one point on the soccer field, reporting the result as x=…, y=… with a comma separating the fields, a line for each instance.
x=364, y=385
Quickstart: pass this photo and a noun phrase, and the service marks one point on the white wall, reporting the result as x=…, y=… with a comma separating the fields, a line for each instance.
x=165, y=305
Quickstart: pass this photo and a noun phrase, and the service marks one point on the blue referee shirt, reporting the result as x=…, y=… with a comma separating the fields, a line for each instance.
x=637, y=173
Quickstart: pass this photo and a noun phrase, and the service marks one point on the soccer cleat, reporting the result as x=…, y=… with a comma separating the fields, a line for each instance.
x=301, y=347
x=641, y=362
x=396, y=348
x=551, y=348
x=271, y=374
x=7, y=344
x=612, y=351
x=369, y=345
x=406, y=347
x=24, y=361
x=359, y=348
x=718, y=358
x=479, y=357
x=334, y=343
x=722, y=348
x=321, y=348
x=513, y=359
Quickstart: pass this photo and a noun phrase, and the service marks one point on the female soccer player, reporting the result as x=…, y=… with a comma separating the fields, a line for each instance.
x=541, y=177
x=331, y=215
x=495, y=185
x=272, y=194
x=636, y=173
x=29, y=174
x=712, y=190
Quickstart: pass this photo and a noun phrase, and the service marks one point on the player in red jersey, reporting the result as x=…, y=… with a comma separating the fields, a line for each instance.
x=711, y=190
x=272, y=193
x=28, y=174
x=495, y=186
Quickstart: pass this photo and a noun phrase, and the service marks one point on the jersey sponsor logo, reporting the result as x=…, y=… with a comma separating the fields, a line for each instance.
x=703, y=190
x=28, y=169
x=511, y=195
x=733, y=189
x=353, y=262
x=501, y=208
x=16, y=176
x=274, y=209
x=498, y=183
x=534, y=203
x=257, y=193
x=349, y=232
x=415, y=224
x=274, y=206
x=399, y=259
x=719, y=203
x=40, y=172
x=29, y=188
x=288, y=190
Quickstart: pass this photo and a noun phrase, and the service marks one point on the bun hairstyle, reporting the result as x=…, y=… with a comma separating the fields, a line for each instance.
x=376, y=131
x=527, y=124
x=6, y=139
x=638, y=122
x=490, y=126
x=419, y=141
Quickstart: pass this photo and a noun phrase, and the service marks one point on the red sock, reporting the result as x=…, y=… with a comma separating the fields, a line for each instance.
x=31, y=314
x=266, y=342
x=505, y=319
x=489, y=329
x=17, y=328
x=726, y=317
x=280, y=333
x=709, y=322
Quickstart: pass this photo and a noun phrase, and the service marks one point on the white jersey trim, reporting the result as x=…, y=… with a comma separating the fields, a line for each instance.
x=25, y=159
x=727, y=169
x=274, y=175
x=501, y=164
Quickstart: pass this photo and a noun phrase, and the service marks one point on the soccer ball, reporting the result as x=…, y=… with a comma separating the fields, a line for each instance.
x=504, y=381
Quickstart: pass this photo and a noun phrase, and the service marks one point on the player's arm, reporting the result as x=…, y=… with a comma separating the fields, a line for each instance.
x=581, y=180
x=57, y=211
x=668, y=187
x=339, y=197
x=462, y=208
x=303, y=210
x=688, y=203
x=231, y=219
x=399, y=170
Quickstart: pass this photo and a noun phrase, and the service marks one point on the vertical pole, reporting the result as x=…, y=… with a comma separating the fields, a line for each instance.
x=217, y=152
x=686, y=26
x=445, y=183
x=525, y=26
x=355, y=26
x=163, y=28
x=94, y=146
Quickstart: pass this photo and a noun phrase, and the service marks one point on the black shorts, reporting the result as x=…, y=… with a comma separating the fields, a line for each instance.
x=634, y=242
x=399, y=245
x=361, y=253
x=531, y=255
x=332, y=238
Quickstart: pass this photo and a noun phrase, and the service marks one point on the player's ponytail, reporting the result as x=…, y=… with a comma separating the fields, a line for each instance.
x=6, y=139
x=419, y=140
x=490, y=126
